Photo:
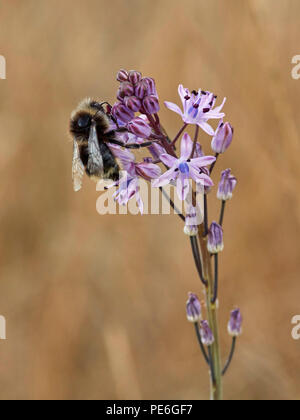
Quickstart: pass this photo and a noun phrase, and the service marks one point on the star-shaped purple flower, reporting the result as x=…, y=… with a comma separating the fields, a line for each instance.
x=129, y=183
x=198, y=108
x=185, y=168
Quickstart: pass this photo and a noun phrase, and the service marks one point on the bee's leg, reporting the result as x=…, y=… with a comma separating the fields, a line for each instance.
x=130, y=146
x=118, y=130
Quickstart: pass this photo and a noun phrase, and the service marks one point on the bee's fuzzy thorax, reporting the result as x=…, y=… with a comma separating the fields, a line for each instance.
x=86, y=107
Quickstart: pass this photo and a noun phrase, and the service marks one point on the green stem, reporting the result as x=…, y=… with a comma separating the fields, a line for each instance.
x=216, y=385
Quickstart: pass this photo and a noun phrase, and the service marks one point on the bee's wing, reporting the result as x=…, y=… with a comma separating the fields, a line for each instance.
x=77, y=168
x=95, y=161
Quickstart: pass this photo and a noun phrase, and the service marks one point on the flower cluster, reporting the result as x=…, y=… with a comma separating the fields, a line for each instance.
x=137, y=109
x=135, y=94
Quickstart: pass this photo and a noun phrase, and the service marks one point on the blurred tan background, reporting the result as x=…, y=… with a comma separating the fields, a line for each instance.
x=95, y=306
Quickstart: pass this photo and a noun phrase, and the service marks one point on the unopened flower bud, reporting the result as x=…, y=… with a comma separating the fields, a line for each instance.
x=156, y=150
x=151, y=104
x=122, y=76
x=235, y=323
x=120, y=95
x=133, y=103
x=215, y=242
x=134, y=77
x=139, y=127
x=122, y=113
x=151, y=88
x=193, y=308
x=126, y=89
x=191, y=230
x=226, y=186
x=206, y=334
x=193, y=219
x=198, y=151
x=222, y=138
x=141, y=89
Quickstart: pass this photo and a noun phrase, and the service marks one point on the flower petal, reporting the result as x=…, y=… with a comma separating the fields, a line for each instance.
x=165, y=178
x=183, y=187
x=218, y=108
x=186, y=146
x=168, y=160
x=206, y=127
x=202, y=179
x=203, y=161
x=173, y=107
x=140, y=203
x=183, y=92
x=148, y=170
x=125, y=156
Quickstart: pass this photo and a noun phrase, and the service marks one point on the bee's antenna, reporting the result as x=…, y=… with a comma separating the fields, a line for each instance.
x=105, y=103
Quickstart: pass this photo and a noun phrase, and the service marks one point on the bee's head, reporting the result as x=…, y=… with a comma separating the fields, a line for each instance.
x=87, y=113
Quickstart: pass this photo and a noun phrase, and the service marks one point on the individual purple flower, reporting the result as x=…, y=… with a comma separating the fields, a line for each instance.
x=133, y=103
x=128, y=188
x=235, y=323
x=139, y=127
x=184, y=168
x=215, y=242
x=122, y=113
x=151, y=104
x=226, y=186
x=198, y=108
x=222, y=138
x=193, y=308
x=129, y=183
x=206, y=334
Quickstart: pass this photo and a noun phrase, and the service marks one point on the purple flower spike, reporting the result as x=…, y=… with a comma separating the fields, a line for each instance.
x=215, y=242
x=184, y=168
x=193, y=308
x=122, y=76
x=139, y=127
x=198, y=108
x=207, y=337
x=122, y=113
x=222, y=138
x=235, y=323
x=151, y=104
x=133, y=103
x=134, y=77
x=226, y=186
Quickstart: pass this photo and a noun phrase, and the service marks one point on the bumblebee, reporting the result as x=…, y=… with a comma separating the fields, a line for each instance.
x=90, y=128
